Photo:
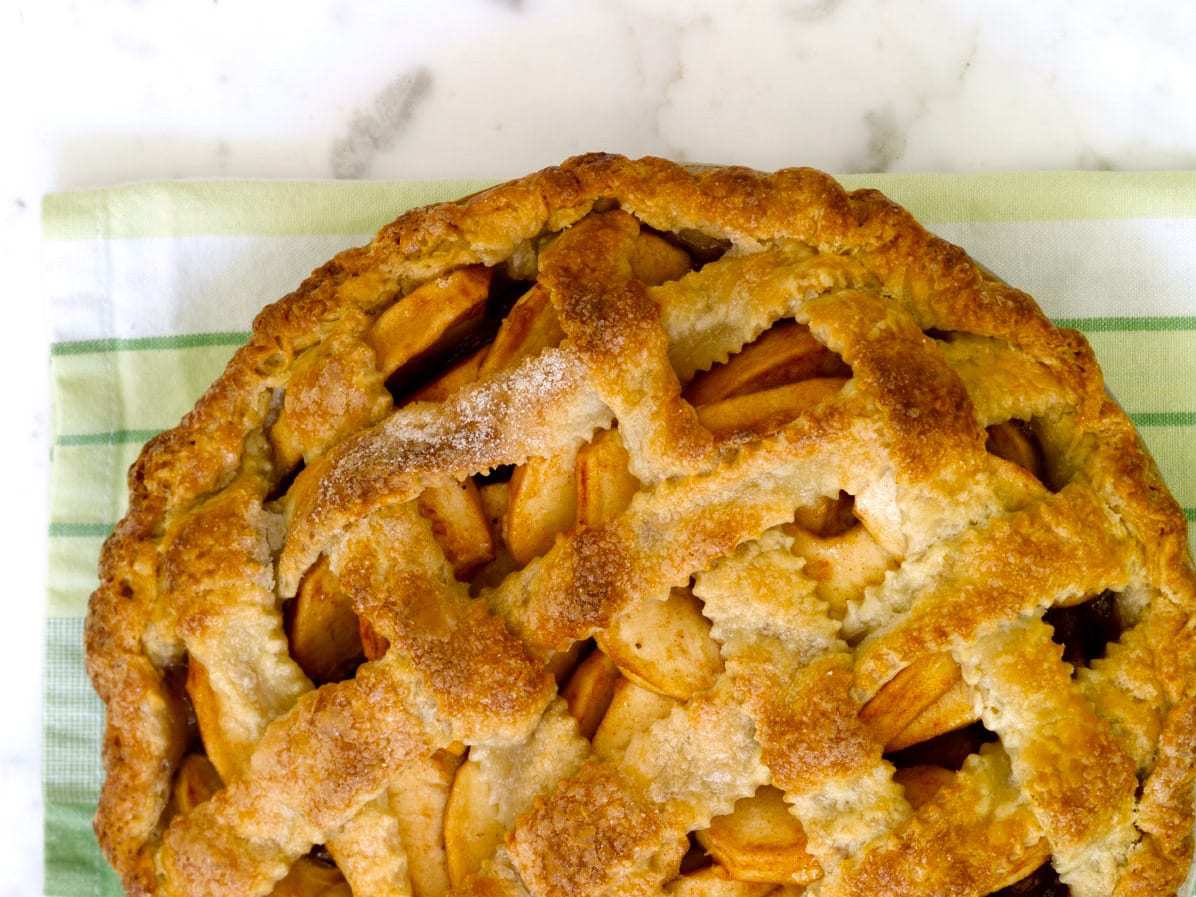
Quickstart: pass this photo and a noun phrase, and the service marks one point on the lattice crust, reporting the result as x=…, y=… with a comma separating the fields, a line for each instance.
x=809, y=478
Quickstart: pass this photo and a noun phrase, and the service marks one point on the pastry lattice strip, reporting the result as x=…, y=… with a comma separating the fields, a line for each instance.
x=898, y=260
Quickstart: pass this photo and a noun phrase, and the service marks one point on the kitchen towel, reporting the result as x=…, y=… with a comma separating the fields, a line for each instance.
x=153, y=286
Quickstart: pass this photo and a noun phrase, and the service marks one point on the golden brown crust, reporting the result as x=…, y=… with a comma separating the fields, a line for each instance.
x=614, y=326
x=623, y=828
x=1076, y=779
x=1165, y=812
x=1065, y=549
x=481, y=680
x=984, y=546
x=348, y=738
x=972, y=837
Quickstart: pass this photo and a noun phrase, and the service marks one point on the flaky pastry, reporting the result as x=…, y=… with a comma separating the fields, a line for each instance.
x=635, y=529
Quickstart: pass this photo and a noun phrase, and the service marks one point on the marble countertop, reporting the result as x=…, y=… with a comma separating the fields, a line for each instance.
x=102, y=92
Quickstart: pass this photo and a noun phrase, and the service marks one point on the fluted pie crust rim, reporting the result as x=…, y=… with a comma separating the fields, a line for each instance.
x=1100, y=766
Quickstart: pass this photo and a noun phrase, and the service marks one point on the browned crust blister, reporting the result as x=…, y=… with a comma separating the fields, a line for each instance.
x=983, y=550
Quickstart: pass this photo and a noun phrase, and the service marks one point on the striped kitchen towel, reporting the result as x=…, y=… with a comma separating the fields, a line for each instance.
x=153, y=286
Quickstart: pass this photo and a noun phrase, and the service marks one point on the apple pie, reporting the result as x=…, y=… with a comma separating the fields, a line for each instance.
x=639, y=529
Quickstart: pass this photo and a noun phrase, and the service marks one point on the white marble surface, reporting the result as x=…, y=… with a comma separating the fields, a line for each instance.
x=100, y=92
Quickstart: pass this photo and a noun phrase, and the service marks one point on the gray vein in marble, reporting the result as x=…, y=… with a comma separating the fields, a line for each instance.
x=812, y=10
x=676, y=76
x=969, y=58
x=1090, y=160
x=676, y=79
x=369, y=133
x=886, y=139
x=888, y=134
